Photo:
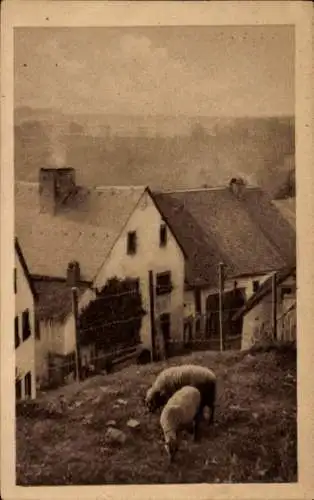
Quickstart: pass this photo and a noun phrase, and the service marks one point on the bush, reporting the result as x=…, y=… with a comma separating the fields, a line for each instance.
x=114, y=317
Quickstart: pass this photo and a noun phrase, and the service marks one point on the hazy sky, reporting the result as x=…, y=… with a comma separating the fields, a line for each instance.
x=232, y=71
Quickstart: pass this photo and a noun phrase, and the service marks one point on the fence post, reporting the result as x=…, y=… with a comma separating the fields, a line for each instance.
x=152, y=312
x=75, y=315
x=274, y=305
x=221, y=289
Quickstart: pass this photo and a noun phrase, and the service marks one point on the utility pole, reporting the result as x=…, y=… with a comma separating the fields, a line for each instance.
x=152, y=311
x=274, y=305
x=221, y=291
x=75, y=315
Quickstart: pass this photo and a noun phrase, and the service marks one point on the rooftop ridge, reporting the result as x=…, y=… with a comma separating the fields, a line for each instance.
x=125, y=187
x=138, y=187
x=95, y=187
x=198, y=189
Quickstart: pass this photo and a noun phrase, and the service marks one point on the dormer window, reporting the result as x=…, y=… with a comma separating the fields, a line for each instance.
x=163, y=235
x=286, y=291
x=255, y=286
x=131, y=243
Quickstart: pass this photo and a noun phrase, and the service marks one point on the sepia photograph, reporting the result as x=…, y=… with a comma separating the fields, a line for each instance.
x=155, y=254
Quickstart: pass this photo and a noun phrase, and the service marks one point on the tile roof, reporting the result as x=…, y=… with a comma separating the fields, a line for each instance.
x=264, y=290
x=249, y=234
x=288, y=209
x=84, y=230
x=54, y=298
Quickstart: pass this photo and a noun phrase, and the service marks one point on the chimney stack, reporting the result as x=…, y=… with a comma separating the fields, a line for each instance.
x=73, y=273
x=55, y=185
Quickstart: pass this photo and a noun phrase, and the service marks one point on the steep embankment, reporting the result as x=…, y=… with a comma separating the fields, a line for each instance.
x=253, y=439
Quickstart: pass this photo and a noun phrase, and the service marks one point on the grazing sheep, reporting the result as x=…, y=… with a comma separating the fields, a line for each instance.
x=181, y=410
x=172, y=379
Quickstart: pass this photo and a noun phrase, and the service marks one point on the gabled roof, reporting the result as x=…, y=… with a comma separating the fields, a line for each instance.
x=264, y=290
x=213, y=225
x=84, y=230
x=25, y=267
x=55, y=298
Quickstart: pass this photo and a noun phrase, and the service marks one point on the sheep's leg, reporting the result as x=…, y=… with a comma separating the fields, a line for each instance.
x=210, y=404
x=212, y=411
x=196, y=423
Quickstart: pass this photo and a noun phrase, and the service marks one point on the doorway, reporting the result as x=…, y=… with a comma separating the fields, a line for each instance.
x=165, y=327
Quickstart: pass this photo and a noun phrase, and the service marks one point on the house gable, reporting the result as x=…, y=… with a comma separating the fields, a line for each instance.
x=145, y=221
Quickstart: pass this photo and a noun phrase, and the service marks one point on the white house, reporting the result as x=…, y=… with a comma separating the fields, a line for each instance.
x=24, y=328
x=237, y=225
x=146, y=243
x=258, y=311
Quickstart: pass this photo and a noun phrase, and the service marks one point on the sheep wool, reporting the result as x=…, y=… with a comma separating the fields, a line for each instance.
x=172, y=379
x=181, y=410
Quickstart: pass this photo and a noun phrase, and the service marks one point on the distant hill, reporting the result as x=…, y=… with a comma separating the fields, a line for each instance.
x=163, y=151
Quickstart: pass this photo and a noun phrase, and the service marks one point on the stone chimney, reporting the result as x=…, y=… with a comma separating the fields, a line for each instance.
x=237, y=186
x=73, y=273
x=55, y=185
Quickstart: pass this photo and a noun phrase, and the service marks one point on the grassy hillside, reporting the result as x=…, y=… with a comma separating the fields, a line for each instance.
x=175, y=152
x=253, y=438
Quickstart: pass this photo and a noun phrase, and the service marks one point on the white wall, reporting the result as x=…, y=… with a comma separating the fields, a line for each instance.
x=52, y=339
x=261, y=314
x=254, y=320
x=146, y=221
x=189, y=303
x=25, y=353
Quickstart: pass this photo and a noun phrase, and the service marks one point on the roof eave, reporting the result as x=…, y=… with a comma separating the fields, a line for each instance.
x=25, y=268
x=166, y=219
x=261, y=294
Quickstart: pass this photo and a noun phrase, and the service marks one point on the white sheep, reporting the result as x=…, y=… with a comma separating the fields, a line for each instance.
x=172, y=379
x=182, y=410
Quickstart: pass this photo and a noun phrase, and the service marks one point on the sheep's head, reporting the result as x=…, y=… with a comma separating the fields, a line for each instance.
x=153, y=400
x=171, y=446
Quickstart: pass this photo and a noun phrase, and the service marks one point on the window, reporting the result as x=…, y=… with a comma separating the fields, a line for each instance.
x=28, y=384
x=285, y=290
x=15, y=281
x=255, y=286
x=26, y=329
x=18, y=390
x=163, y=283
x=16, y=332
x=37, y=328
x=131, y=243
x=198, y=303
x=163, y=235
